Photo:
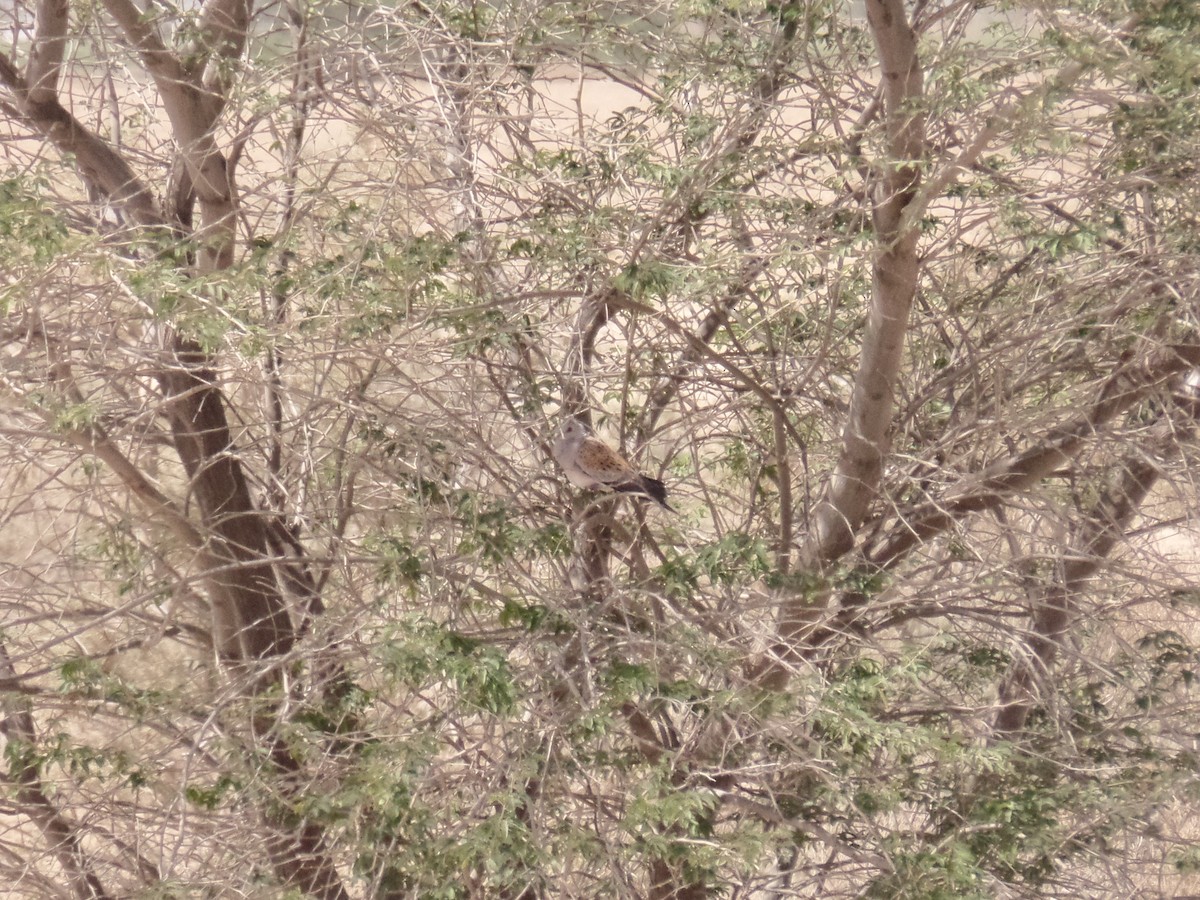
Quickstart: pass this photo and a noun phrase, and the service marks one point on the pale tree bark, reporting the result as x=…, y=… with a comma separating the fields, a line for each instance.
x=1132, y=382
x=893, y=286
x=894, y=271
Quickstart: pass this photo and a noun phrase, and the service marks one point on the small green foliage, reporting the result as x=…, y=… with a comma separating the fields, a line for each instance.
x=336, y=711
x=21, y=756
x=422, y=653
x=65, y=753
x=970, y=664
x=210, y=797
x=628, y=680
x=494, y=536
x=735, y=558
x=399, y=564
x=497, y=537
x=30, y=234
x=647, y=279
x=864, y=580
x=532, y=617
x=564, y=162
x=1186, y=860
x=121, y=556
x=80, y=672
x=1167, y=664
x=664, y=808
x=75, y=417
x=679, y=574
x=1060, y=246
x=949, y=873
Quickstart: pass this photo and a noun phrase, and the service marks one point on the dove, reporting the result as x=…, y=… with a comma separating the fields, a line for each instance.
x=591, y=464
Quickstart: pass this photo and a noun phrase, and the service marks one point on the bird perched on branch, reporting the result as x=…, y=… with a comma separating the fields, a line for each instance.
x=591, y=464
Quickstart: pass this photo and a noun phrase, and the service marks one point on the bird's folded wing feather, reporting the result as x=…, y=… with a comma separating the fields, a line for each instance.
x=602, y=462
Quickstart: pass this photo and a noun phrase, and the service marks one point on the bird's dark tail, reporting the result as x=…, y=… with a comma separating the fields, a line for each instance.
x=647, y=487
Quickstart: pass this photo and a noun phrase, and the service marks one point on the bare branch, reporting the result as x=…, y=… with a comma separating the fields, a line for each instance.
x=893, y=286
x=1013, y=111
x=193, y=113
x=681, y=211
x=99, y=164
x=894, y=271
x=251, y=621
x=1129, y=384
x=665, y=390
x=1101, y=528
x=224, y=25
x=163, y=66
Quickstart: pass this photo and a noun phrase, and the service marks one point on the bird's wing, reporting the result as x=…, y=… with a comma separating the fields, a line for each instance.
x=601, y=462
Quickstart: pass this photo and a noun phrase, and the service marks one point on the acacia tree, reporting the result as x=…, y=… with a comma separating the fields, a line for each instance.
x=900, y=304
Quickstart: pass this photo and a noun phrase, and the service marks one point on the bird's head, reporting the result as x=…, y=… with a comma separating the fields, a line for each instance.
x=574, y=428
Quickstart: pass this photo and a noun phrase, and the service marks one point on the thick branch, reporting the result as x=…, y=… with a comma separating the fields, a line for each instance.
x=255, y=623
x=894, y=271
x=46, y=58
x=898, y=206
x=223, y=28
x=251, y=622
x=893, y=286
x=989, y=488
x=251, y=619
x=1053, y=613
x=300, y=854
x=159, y=61
x=99, y=164
x=1056, y=608
x=193, y=113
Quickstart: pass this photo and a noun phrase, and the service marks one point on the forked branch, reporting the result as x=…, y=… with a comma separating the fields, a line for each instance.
x=989, y=488
x=1096, y=535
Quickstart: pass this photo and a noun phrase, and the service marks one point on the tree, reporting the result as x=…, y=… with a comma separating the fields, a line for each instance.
x=900, y=304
